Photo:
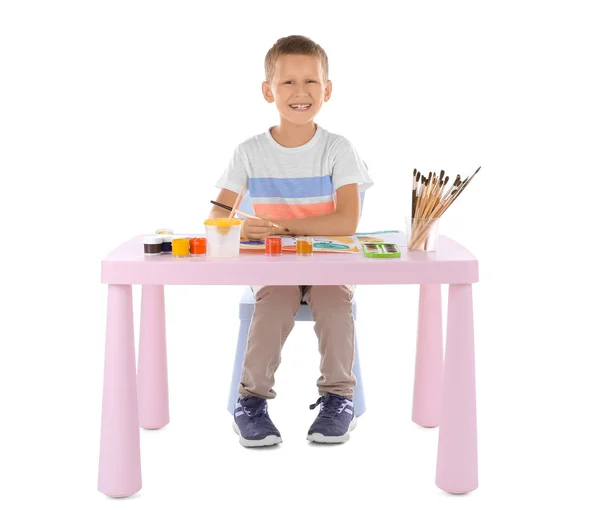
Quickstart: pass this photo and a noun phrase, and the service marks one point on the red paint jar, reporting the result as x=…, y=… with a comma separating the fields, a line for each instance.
x=198, y=246
x=273, y=246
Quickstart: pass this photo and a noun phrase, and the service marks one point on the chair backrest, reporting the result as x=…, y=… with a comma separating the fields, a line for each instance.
x=246, y=204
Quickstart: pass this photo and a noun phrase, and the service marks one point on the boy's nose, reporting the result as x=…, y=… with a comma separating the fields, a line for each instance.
x=300, y=88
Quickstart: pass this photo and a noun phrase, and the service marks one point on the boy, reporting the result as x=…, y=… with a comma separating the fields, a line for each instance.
x=308, y=181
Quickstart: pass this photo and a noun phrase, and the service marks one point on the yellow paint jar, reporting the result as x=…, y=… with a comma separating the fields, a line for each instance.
x=181, y=246
x=304, y=246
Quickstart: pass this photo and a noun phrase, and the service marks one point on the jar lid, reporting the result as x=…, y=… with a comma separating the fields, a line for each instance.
x=180, y=237
x=152, y=240
x=223, y=222
x=165, y=231
x=166, y=238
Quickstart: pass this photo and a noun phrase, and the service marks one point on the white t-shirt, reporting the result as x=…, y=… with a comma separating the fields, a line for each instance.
x=294, y=182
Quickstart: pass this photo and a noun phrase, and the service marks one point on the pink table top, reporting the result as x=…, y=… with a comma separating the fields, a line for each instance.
x=450, y=264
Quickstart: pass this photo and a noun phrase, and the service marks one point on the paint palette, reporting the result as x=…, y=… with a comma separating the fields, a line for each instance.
x=381, y=250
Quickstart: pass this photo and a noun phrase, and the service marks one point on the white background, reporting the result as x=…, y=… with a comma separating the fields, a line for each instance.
x=117, y=118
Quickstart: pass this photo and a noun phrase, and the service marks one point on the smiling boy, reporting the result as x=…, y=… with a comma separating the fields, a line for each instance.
x=308, y=181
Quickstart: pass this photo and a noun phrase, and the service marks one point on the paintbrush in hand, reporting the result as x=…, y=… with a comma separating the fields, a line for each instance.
x=227, y=207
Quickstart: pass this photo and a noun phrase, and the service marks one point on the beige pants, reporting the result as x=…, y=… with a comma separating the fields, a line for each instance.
x=272, y=322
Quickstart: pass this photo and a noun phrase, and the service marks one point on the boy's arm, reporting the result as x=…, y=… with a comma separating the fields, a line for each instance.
x=227, y=197
x=342, y=222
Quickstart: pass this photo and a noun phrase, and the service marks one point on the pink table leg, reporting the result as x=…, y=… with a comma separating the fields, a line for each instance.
x=427, y=393
x=120, y=472
x=153, y=390
x=457, y=446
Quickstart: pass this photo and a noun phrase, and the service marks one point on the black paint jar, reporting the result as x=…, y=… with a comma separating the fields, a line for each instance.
x=152, y=245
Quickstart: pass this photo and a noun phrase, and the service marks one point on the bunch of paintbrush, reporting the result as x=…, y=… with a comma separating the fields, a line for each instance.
x=430, y=199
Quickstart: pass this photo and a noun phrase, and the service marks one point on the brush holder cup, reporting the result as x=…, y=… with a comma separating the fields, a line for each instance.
x=223, y=237
x=422, y=234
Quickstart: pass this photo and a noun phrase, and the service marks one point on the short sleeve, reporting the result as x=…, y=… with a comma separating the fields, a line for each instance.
x=348, y=168
x=236, y=173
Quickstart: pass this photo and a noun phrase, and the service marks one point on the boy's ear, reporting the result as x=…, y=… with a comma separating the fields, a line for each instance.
x=328, y=88
x=267, y=93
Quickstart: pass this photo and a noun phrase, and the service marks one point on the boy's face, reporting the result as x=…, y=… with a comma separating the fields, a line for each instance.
x=298, y=81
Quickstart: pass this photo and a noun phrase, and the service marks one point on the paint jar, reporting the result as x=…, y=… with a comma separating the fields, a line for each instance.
x=165, y=231
x=304, y=246
x=166, y=247
x=223, y=237
x=422, y=234
x=197, y=246
x=273, y=246
x=181, y=246
x=152, y=245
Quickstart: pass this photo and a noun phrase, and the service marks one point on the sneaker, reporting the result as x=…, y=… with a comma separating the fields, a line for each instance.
x=252, y=423
x=335, y=420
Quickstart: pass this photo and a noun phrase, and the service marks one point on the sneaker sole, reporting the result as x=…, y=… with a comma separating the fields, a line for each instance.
x=324, y=439
x=269, y=440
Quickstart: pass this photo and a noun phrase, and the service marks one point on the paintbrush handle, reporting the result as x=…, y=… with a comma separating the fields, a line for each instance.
x=420, y=234
x=422, y=226
x=237, y=201
x=425, y=210
x=252, y=216
x=420, y=199
x=432, y=199
x=227, y=207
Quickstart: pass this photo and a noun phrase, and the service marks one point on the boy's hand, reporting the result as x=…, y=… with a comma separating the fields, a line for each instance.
x=257, y=229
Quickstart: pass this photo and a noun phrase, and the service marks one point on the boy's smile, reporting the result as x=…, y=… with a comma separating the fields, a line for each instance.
x=299, y=107
x=298, y=88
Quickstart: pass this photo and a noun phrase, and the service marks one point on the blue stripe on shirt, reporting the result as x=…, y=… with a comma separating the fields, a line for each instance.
x=291, y=187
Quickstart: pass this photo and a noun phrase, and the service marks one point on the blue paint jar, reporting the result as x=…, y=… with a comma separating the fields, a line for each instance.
x=167, y=243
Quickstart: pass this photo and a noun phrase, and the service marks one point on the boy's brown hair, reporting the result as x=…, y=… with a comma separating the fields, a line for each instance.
x=294, y=44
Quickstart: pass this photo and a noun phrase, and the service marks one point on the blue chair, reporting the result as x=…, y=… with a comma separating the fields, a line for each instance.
x=246, y=310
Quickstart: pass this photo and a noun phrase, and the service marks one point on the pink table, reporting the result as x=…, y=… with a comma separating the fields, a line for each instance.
x=444, y=390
